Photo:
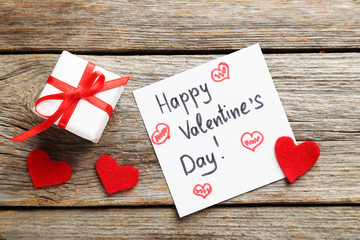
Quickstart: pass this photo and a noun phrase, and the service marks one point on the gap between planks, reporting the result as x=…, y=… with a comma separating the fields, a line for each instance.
x=147, y=206
x=182, y=52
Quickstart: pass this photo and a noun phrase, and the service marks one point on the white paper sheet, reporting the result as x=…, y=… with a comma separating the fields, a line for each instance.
x=214, y=128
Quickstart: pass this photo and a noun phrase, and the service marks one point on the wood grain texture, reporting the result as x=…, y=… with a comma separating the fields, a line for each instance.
x=203, y=25
x=163, y=223
x=320, y=94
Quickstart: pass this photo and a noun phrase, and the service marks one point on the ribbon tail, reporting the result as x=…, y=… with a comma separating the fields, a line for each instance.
x=37, y=129
x=115, y=83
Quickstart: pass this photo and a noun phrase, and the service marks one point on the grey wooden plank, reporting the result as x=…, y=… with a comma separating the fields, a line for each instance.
x=160, y=223
x=320, y=94
x=123, y=26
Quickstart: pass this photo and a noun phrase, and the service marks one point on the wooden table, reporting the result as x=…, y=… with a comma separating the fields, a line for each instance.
x=312, y=49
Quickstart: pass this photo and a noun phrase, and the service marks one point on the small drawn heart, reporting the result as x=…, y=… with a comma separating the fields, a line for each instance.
x=220, y=73
x=161, y=134
x=45, y=172
x=114, y=177
x=202, y=191
x=295, y=160
x=252, y=140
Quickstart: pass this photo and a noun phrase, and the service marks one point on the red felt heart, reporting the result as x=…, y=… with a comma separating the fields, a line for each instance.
x=295, y=160
x=114, y=177
x=44, y=172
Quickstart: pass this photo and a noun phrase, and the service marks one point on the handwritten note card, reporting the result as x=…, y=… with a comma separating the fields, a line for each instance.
x=214, y=128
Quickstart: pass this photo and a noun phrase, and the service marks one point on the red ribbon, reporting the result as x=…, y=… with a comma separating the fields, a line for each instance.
x=90, y=83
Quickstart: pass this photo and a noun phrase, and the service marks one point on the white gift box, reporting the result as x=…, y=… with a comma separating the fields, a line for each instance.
x=87, y=120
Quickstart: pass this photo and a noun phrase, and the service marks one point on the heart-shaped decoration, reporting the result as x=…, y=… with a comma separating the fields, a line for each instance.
x=114, y=177
x=252, y=140
x=44, y=172
x=220, y=73
x=295, y=160
x=161, y=134
x=202, y=190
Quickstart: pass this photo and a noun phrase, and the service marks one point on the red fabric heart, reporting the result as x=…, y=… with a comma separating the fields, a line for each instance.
x=295, y=160
x=44, y=172
x=114, y=177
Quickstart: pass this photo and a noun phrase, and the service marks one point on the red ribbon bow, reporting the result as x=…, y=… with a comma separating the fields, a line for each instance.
x=90, y=83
